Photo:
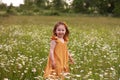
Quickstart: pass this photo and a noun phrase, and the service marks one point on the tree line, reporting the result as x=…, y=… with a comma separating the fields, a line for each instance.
x=55, y=7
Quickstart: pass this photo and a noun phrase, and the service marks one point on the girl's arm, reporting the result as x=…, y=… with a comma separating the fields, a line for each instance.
x=70, y=58
x=52, y=46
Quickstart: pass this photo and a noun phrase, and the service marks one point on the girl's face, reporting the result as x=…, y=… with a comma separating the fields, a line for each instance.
x=60, y=31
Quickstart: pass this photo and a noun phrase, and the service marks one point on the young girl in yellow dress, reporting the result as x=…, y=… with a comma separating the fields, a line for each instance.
x=59, y=56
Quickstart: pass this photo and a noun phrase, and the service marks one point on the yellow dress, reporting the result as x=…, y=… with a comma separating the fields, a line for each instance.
x=61, y=59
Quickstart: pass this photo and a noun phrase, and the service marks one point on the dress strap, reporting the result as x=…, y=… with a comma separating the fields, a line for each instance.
x=55, y=38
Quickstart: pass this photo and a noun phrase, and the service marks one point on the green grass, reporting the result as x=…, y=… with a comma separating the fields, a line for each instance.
x=94, y=43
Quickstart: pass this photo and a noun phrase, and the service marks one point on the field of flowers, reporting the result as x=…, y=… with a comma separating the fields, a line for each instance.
x=94, y=44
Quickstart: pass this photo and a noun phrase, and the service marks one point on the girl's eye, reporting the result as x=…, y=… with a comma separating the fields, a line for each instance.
x=58, y=29
x=61, y=30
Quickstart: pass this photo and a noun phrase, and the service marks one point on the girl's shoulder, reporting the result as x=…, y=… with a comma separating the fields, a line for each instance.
x=54, y=38
x=52, y=42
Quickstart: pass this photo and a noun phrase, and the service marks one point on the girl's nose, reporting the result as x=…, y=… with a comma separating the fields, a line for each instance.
x=60, y=31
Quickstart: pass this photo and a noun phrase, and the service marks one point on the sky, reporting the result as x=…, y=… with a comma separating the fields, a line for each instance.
x=14, y=2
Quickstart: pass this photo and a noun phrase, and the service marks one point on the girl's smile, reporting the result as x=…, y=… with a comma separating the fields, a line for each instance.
x=60, y=31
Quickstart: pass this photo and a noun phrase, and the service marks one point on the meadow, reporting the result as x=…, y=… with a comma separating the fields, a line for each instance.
x=94, y=43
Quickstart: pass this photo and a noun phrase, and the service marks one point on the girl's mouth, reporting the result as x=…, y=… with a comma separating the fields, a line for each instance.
x=60, y=34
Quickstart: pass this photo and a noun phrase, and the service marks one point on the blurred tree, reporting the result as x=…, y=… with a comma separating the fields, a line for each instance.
x=40, y=3
x=53, y=7
x=58, y=4
x=11, y=10
x=28, y=4
x=80, y=6
x=3, y=7
x=95, y=6
x=105, y=6
x=67, y=7
x=116, y=10
x=48, y=4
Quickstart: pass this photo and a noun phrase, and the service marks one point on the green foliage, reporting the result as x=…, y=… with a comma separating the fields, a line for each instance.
x=28, y=2
x=40, y=3
x=105, y=6
x=11, y=10
x=3, y=7
x=58, y=4
x=77, y=5
x=54, y=13
x=93, y=42
x=37, y=7
x=117, y=9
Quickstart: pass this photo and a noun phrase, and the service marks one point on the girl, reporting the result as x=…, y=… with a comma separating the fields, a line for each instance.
x=59, y=56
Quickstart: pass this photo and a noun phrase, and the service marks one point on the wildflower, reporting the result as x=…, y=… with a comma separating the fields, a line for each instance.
x=34, y=70
x=90, y=79
x=78, y=75
x=90, y=72
x=5, y=79
x=101, y=75
x=25, y=71
x=112, y=68
x=109, y=5
x=119, y=65
x=20, y=66
x=68, y=77
x=84, y=4
x=82, y=71
x=65, y=74
x=0, y=46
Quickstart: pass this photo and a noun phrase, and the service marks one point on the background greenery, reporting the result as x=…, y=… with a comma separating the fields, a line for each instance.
x=94, y=43
x=58, y=7
x=25, y=33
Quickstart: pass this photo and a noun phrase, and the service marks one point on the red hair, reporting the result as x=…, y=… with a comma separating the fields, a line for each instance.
x=66, y=33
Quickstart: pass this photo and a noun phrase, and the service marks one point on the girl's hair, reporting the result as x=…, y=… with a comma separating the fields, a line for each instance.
x=66, y=33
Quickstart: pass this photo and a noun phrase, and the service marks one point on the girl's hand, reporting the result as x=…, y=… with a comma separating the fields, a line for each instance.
x=72, y=61
x=53, y=65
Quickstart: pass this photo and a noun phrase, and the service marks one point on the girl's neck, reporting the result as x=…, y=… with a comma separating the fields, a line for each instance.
x=61, y=39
